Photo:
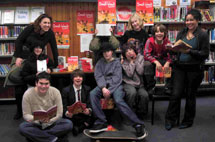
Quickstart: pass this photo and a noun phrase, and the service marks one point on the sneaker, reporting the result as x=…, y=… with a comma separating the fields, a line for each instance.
x=98, y=128
x=140, y=131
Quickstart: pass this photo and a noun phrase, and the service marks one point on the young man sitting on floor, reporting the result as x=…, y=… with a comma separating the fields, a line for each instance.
x=43, y=97
x=108, y=75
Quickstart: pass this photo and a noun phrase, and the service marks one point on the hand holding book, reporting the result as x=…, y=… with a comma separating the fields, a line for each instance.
x=179, y=46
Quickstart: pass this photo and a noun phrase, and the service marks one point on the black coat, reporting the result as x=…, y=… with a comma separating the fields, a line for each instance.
x=68, y=96
x=29, y=69
x=28, y=36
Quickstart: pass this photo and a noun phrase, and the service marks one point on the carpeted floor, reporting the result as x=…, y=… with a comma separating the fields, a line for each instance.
x=202, y=130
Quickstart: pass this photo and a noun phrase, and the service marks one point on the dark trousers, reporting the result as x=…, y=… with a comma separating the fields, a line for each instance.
x=19, y=92
x=185, y=83
x=80, y=119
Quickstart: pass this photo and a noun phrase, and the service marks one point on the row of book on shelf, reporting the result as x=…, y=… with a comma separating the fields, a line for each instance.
x=209, y=75
x=4, y=69
x=74, y=62
x=211, y=58
x=212, y=35
x=7, y=48
x=10, y=31
x=20, y=15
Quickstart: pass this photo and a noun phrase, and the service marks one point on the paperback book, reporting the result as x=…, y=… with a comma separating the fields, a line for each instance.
x=179, y=46
x=42, y=114
x=107, y=103
x=77, y=107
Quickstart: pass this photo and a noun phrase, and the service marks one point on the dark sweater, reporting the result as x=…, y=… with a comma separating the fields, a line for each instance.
x=29, y=69
x=200, y=53
x=24, y=42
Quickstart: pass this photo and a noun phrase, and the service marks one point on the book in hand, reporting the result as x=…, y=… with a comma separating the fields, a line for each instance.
x=107, y=103
x=42, y=114
x=164, y=73
x=179, y=46
x=77, y=107
x=41, y=65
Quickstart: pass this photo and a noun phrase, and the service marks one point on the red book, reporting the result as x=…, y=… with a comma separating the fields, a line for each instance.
x=42, y=114
x=76, y=108
x=107, y=103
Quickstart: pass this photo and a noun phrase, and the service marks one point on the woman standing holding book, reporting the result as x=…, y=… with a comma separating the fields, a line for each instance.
x=40, y=30
x=188, y=71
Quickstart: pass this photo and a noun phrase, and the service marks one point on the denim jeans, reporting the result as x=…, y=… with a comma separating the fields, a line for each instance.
x=137, y=98
x=36, y=134
x=118, y=96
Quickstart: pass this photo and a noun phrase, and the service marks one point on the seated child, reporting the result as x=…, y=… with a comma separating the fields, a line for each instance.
x=133, y=83
x=74, y=93
x=108, y=75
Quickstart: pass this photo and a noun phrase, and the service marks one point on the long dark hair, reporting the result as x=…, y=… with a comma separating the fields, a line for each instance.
x=37, y=22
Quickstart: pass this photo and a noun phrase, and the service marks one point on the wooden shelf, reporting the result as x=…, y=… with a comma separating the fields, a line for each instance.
x=7, y=99
x=209, y=63
x=8, y=38
x=6, y=56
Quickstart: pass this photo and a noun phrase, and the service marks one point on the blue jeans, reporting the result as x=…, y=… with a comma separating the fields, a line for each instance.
x=36, y=134
x=118, y=95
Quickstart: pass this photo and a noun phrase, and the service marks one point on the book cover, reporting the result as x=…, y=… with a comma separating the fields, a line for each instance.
x=61, y=30
x=107, y=103
x=42, y=114
x=103, y=29
x=86, y=64
x=8, y=16
x=165, y=73
x=22, y=15
x=107, y=11
x=157, y=14
x=123, y=13
x=77, y=107
x=72, y=63
x=36, y=12
x=144, y=8
x=179, y=46
x=41, y=65
x=61, y=62
x=85, y=22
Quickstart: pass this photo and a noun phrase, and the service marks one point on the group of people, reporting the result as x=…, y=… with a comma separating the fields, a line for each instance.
x=129, y=80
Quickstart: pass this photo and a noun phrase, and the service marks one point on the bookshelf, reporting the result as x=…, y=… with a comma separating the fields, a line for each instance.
x=8, y=36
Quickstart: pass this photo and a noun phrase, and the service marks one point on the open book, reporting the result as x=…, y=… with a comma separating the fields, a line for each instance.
x=179, y=46
x=42, y=114
x=77, y=107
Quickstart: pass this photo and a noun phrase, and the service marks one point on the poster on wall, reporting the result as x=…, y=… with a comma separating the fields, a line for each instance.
x=107, y=12
x=144, y=8
x=123, y=13
x=85, y=22
x=61, y=30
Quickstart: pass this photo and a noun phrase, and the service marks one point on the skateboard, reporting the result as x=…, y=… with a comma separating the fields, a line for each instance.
x=113, y=135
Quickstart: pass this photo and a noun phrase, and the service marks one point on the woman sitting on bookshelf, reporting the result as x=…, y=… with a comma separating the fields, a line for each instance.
x=31, y=68
x=39, y=30
x=133, y=83
x=156, y=57
x=135, y=31
x=188, y=71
